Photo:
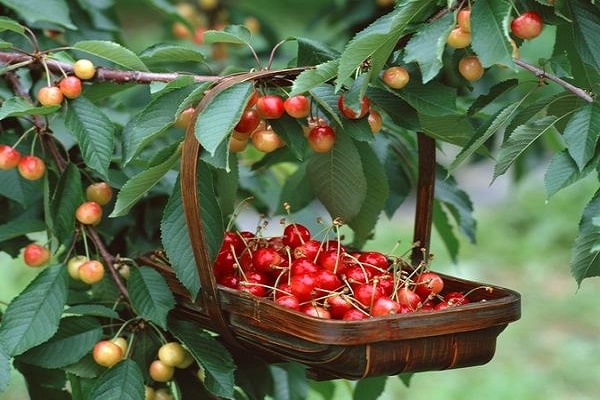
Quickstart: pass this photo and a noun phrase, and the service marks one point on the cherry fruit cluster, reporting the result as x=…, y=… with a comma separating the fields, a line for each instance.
x=324, y=279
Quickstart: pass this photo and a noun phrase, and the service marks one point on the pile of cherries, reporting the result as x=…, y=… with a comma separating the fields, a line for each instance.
x=324, y=279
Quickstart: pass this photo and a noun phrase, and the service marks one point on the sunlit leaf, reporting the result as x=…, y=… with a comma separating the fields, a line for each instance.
x=112, y=52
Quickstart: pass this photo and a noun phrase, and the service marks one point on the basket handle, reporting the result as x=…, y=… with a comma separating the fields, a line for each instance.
x=425, y=192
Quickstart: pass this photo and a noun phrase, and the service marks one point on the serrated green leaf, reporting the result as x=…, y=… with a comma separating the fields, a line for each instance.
x=457, y=202
x=406, y=378
x=112, y=52
x=27, y=222
x=33, y=316
x=326, y=99
x=562, y=171
x=433, y=99
x=175, y=239
x=216, y=121
x=289, y=381
x=455, y=129
x=54, y=11
x=427, y=46
x=582, y=132
x=444, y=229
x=94, y=131
x=74, y=339
x=14, y=187
x=400, y=112
x=312, y=78
x=494, y=92
x=290, y=131
x=163, y=52
x=5, y=368
x=312, y=52
x=377, y=41
x=227, y=185
x=520, y=140
x=19, y=107
x=150, y=295
x=211, y=354
x=210, y=210
x=94, y=310
x=164, y=6
x=152, y=121
x=369, y=388
x=489, y=29
x=8, y=24
x=137, y=187
x=86, y=367
x=124, y=381
x=399, y=163
x=296, y=190
x=65, y=200
x=586, y=20
x=585, y=262
x=338, y=180
x=232, y=34
x=146, y=345
x=378, y=191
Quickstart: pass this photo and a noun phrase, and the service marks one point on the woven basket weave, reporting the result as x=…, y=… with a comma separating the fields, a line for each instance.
x=456, y=337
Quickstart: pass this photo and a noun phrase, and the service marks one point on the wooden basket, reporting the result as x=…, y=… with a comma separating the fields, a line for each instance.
x=452, y=338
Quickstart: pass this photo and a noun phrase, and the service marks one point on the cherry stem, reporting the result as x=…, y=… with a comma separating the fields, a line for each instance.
x=545, y=75
x=272, y=55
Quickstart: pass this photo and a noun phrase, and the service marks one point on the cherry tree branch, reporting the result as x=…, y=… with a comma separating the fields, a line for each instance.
x=540, y=73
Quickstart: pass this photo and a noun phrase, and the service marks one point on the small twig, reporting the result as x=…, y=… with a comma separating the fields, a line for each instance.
x=545, y=75
x=106, y=74
x=109, y=260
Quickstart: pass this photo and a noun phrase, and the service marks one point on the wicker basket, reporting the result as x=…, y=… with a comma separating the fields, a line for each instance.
x=456, y=337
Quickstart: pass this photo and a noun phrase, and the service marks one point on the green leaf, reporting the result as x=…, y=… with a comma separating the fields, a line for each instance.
x=176, y=241
x=312, y=78
x=32, y=11
x=216, y=121
x=585, y=262
x=338, y=180
x=87, y=367
x=433, y=98
x=378, y=190
x=135, y=188
x=290, y=131
x=443, y=227
x=168, y=53
x=289, y=381
x=494, y=92
x=210, y=210
x=7, y=24
x=562, y=171
x=586, y=20
x=95, y=310
x=427, y=46
x=377, y=41
x=19, y=107
x=520, y=140
x=455, y=129
x=326, y=99
x=406, y=378
x=112, y=52
x=457, y=202
x=33, y=316
x=65, y=200
x=150, y=295
x=5, y=368
x=369, y=388
x=209, y=353
x=74, y=339
x=296, y=190
x=312, y=52
x=14, y=187
x=582, y=132
x=124, y=381
x=21, y=225
x=94, y=131
x=232, y=34
x=152, y=121
x=400, y=112
x=490, y=36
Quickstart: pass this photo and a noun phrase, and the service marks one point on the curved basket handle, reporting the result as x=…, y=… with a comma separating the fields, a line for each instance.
x=191, y=202
x=425, y=192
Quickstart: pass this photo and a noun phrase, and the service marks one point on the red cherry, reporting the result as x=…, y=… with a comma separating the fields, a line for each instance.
x=321, y=138
x=527, y=25
x=357, y=275
x=386, y=283
x=248, y=122
x=303, y=286
x=295, y=235
x=334, y=245
x=9, y=157
x=350, y=113
x=50, y=96
x=89, y=213
x=270, y=106
x=232, y=240
x=330, y=261
x=303, y=266
x=338, y=305
x=456, y=299
x=407, y=297
x=265, y=258
x=36, y=255
x=70, y=87
x=230, y=281
x=385, y=306
x=367, y=293
x=297, y=106
x=354, y=315
x=289, y=301
x=328, y=281
x=252, y=287
x=283, y=289
x=31, y=167
x=253, y=99
x=309, y=249
x=224, y=263
x=315, y=311
x=375, y=261
x=428, y=283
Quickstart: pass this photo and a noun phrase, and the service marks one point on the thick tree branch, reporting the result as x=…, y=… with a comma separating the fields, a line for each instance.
x=545, y=75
